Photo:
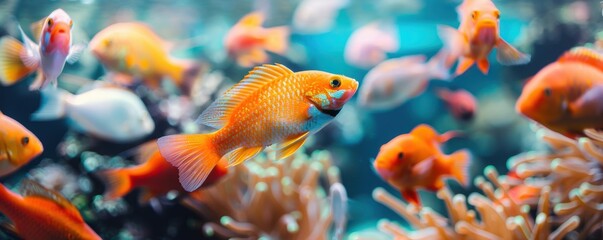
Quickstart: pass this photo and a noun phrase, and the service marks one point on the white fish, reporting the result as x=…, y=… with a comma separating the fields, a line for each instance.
x=368, y=45
x=394, y=81
x=111, y=114
x=317, y=16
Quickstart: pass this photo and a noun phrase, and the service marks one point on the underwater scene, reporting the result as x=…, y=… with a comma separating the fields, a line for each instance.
x=301, y=119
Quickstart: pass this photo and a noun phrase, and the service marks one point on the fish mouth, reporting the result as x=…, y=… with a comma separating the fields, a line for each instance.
x=330, y=112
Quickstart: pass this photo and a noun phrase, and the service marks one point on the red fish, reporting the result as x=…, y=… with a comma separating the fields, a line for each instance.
x=414, y=160
x=461, y=104
x=154, y=174
x=43, y=214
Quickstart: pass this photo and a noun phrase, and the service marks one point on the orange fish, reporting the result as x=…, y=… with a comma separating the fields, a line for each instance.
x=43, y=214
x=247, y=40
x=415, y=160
x=18, y=146
x=461, y=103
x=154, y=174
x=566, y=96
x=271, y=105
x=476, y=36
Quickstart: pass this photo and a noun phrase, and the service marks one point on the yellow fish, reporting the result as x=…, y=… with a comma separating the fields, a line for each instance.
x=18, y=146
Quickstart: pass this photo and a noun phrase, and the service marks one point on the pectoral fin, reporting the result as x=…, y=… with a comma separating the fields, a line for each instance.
x=423, y=167
x=508, y=55
x=591, y=101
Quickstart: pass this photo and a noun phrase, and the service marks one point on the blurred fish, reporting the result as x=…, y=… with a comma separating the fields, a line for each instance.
x=461, y=104
x=154, y=174
x=48, y=57
x=566, y=96
x=272, y=104
x=394, y=81
x=43, y=214
x=133, y=52
x=307, y=20
x=415, y=160
x=247, y=41
x=368, y=45
x=112, y=114
x=523, y=193
x=18, y=145
x=476, y=36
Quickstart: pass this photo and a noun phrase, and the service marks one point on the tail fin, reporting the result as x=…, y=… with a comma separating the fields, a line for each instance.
x=194, y=155
x=437, y=66
x=461, y=162
x=117, y=183
x=184, y=73
x=12, y=68
x=53, y=104
x=277, y=40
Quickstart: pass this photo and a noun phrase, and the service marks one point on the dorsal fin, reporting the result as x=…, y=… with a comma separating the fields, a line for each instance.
x=30, y=188
x=584, y=55
x=252, y=19
x=36, y=29
x=218, y=112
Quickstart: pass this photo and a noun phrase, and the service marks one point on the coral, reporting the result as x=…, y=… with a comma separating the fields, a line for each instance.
x=270, y=199
x=549, y=195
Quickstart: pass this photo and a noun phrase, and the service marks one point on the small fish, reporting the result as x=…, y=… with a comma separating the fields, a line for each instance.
x=394, y=81
x=566, y=96
x=271, y=105
x=154, y=174
x=54, y=48
x=133, y=52
x=368, y=45
x=522, y=194
x=415, y=160
x=309, y=21
x=461, y=103
x=109, y=113
x=247, y=41
x=41, y=213
x=18, y=146
x=476, y=36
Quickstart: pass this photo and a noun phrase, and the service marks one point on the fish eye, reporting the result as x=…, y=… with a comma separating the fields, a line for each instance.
x=400, y=155
x=547, y=92
x=50, y=22
x=24, y=141
x=335, y=82
x=474, y=15
x=497, y=15
x=107, y=43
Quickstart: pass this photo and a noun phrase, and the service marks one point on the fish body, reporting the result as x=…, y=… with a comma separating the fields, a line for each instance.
x=477, y=35
x=247, y=41
x=461, y=103
x=309, y=21
x=394, y=81
x=414, y=160
x=48, y=56
x=18, y=146
x=369, y=45
x=154, y=175
x=271, y=105
x=112, y=114
x=43, y=214
x=566, y=96
x=133, y=51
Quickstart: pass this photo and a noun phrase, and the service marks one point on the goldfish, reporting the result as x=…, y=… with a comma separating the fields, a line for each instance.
x=461, y=103
x=54, y=48
x=476, y=36
x=154, y=174
x=18, y=145
x=566, y=96
x=368, y=45
x=247, y=41
x=414, y=160
x=307, y=20
x=271, y=105
x=133, y=52
x=41, y=213
x=394, y=81
x=109, y=113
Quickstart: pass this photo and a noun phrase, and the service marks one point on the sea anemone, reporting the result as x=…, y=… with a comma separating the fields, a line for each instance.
x=269, y=199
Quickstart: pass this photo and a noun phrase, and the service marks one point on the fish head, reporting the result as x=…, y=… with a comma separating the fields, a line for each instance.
x=106, y=46
x=56, y=32
x=543, y=98
x=22, y=145
x=329, y=92
x=482, y=19
x=397, y=157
